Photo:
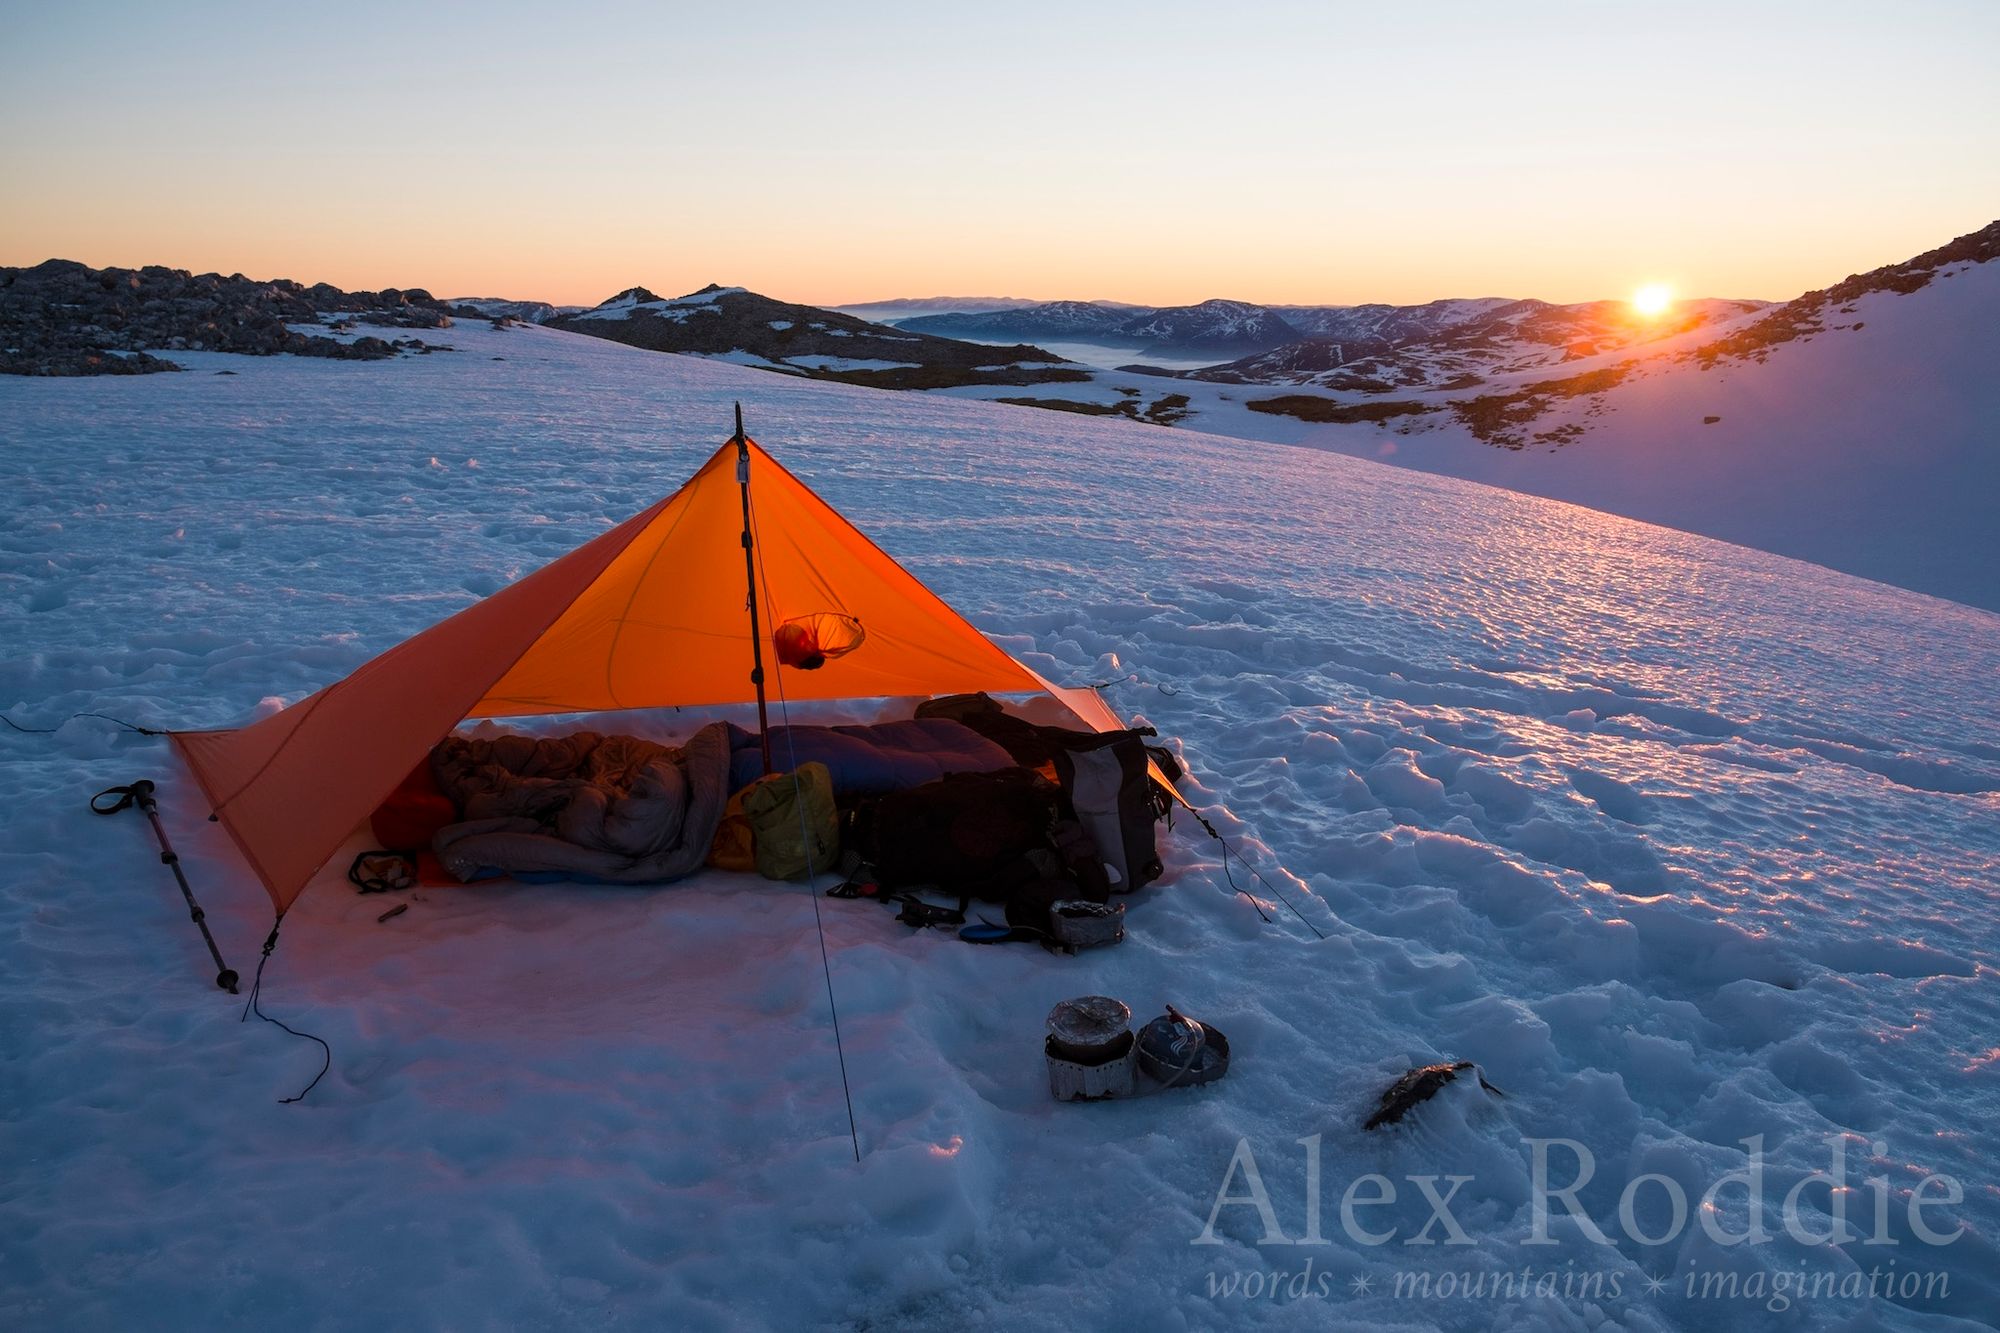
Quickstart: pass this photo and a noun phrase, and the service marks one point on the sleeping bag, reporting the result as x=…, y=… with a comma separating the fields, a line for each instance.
x=869, y=760
x=612, y=808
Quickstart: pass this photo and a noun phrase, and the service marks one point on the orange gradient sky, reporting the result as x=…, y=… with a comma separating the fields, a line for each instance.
x=1150, y=153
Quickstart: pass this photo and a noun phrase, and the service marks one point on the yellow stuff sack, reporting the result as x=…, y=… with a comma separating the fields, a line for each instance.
x=789, y=846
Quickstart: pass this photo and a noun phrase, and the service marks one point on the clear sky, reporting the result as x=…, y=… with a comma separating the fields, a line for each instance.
x=1157, y=153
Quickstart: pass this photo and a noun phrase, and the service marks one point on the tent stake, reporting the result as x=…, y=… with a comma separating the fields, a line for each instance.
x=742, y=443
x=140, y=794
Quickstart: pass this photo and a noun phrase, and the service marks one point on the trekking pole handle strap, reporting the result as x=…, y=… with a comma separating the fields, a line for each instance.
x=139, y=793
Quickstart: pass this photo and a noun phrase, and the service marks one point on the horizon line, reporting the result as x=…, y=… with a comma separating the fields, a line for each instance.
x=200, y=271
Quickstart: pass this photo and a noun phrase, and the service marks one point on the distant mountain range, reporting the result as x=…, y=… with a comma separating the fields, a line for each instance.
x=888, y=312
x=731, y=324
x=1385, y=350
x=1053, y=321
x=1221, y=328
x=1367, y=348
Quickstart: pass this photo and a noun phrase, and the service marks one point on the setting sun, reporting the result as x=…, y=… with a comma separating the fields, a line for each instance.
x=1653, y=299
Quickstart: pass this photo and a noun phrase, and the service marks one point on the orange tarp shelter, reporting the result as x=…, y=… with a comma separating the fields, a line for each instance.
x=651, y=614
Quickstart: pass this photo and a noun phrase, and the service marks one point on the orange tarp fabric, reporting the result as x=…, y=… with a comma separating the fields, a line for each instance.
x=667, y=622
x=651, y=614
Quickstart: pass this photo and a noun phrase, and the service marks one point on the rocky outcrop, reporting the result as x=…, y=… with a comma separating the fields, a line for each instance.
x=1807, y=315
x=65, y=318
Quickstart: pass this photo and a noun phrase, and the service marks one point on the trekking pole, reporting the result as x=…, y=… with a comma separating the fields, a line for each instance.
x=140, y=793
x=742, y=443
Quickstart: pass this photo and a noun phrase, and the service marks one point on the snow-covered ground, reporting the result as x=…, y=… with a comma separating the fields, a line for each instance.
x=1684, y=843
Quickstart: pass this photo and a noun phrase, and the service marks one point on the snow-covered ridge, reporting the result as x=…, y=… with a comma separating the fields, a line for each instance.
x=636, y=299
x=1215, y=323
x=1389, y=323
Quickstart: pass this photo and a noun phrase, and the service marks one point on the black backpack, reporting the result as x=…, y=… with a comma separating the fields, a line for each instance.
x=968, y=834
x=1110, y=793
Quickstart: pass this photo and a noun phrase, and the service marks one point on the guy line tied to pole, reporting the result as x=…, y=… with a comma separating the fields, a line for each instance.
x=753, y=556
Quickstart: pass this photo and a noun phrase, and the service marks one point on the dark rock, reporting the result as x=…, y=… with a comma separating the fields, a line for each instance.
x=406, y=317
x=65, y=318
x=1419, y=1086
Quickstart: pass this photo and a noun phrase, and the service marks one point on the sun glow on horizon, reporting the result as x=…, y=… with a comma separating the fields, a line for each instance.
x=1653, y=300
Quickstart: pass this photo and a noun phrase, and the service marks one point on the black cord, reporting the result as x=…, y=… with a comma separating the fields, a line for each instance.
x=1239, y=888
x=805, y=839
x=1274, y=890
x=256, y=986
x=1227, y=851
x=50, y=731
x=1131, y=676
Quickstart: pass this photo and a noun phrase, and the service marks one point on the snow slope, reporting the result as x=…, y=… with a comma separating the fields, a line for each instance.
x=1872, y=447
x=1682, y=842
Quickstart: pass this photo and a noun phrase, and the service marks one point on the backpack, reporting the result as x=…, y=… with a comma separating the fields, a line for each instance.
x=1105, y=781
x=1029, y=744
x=966, y=833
